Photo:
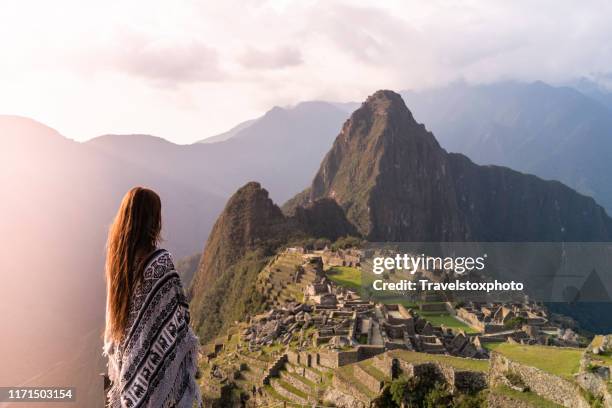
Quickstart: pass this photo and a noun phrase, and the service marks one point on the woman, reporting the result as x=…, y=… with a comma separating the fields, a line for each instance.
x=152, y=352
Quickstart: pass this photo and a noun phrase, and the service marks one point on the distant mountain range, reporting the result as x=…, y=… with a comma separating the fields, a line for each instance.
x=559, y=133
x=555, y=133
x=60, y=197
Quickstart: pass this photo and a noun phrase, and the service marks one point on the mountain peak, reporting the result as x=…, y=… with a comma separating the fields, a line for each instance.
x=395, y=183
x=386, y=103
x=384, y=98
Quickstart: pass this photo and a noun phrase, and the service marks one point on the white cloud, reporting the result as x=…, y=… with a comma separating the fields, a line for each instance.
x=166, y=62
x=187, y=69
x=281, y=57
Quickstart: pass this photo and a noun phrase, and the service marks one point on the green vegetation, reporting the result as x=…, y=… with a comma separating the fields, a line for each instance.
x=563, y=362
x=528, y=397
x=514, y=323
x=456, y=362
x=229, y=299
x=187, y=267
x=438, y=397
x=420, y=392
x=408, y=391
x=438, y=319
x=593, y=400
x=346, y=276
x=478, y=400
x=292, y=389
x=272, y=392
x=346, y=242
x=346, y=372
x=514, y=379
x=396, y=300
x=369, y=368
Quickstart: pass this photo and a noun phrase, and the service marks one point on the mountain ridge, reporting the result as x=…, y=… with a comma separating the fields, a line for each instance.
x=375, y=171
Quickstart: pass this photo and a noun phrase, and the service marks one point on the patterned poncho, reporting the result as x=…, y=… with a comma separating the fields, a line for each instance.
x=154, y=366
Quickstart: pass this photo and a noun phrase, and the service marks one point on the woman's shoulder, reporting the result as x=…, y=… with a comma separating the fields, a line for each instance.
x=159, y=263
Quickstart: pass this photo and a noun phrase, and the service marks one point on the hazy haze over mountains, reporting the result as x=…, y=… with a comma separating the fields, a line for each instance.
x=553, y=132
x=60, y=195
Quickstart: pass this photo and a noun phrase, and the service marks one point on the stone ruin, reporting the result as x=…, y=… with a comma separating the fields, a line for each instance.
x=277, y=324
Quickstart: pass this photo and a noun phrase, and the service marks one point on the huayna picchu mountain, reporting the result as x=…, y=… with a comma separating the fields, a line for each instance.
x=396, y=183
x=247, y=233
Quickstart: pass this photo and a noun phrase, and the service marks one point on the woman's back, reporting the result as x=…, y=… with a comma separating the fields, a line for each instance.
x=152, y=352
x=155, y=364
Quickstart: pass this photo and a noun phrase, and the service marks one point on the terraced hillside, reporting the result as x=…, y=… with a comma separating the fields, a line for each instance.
x=291, y=368
x=282, y=280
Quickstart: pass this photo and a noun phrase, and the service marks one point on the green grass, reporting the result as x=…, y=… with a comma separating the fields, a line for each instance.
x=396, y=300
x=346, y=373
x=292, y=389
x=601, y=359
x=303, y=380
x=528, y=397
x=563, y=362
x=456, y=362
x=438, y=319
x=373, y=371
x=272, y=393
x=346, y=276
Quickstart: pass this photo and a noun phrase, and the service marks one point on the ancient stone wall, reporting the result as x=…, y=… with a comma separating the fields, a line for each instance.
x=366, y=352
x=548, y=386
x=433, y=307
x=459, y=380
x=293, y=357
x=366, y=379
x=503, y=401
x=384, y=364
x=295, y=382
x=347, y=388
x=312, y=375
x=596, y=386
x=328, y=359
x=338, y=398
x=287, y=394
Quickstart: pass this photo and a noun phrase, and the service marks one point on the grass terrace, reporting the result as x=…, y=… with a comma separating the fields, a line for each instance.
x=438, y=319
x=455, y=362
x=346, y=276
x=528, y=397
x=563, y=362
x=346, y=373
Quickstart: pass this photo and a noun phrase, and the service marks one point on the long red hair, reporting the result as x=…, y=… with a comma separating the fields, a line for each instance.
x=133, y=235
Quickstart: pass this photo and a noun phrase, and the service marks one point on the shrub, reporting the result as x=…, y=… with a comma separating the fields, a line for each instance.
x=514, y=379
x=477, y=400
x=514, y=323
x=438, y=397
x=346, y=242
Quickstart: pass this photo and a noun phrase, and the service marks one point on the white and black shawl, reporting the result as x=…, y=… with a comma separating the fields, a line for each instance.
x=154, y=366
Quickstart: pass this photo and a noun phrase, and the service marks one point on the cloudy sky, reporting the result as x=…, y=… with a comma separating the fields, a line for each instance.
x=185, y=70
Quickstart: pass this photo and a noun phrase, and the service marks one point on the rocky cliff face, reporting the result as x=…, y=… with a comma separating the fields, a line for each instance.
x=396, y=183
x=250, y=227
x=249, y=220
